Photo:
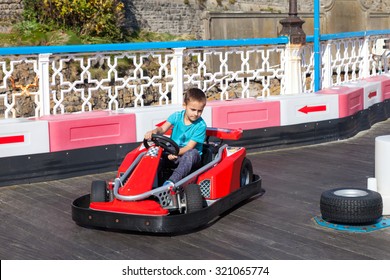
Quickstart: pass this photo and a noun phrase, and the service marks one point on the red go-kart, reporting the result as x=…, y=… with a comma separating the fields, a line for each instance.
x=136, y=199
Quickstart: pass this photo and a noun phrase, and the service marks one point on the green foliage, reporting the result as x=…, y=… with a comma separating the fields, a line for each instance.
x=101, y=18
x=36, y=34
x=59, y=25
x=146, y=36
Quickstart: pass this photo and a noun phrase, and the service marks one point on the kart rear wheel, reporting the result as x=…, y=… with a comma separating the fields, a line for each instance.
x=193, y=198
x=99, y=191
x=246, y=173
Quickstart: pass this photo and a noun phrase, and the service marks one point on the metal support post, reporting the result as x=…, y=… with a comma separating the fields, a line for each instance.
x=44, y=83
x=177, y=73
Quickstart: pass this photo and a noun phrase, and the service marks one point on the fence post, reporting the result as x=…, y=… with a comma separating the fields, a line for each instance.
x=177, y=73
x=328, y=72
x=366, y=58
x=44, y=83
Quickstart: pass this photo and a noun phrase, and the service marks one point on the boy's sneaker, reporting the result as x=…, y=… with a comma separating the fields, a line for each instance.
x=168, y=183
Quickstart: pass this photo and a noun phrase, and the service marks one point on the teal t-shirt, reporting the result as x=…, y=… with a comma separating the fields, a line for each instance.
x=182, y=133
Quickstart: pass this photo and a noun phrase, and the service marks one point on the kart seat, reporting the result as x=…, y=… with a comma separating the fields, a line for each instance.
x=207, y=155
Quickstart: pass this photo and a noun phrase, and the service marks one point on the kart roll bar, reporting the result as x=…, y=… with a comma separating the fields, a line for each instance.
x=131, y=167
x=156, y=191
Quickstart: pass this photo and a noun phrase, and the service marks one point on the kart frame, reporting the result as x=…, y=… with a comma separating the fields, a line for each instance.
x=88, y=213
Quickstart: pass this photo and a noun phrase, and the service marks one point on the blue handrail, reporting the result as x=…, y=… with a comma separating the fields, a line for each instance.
x=28, y=50
x=326, y=37
x=141, y=46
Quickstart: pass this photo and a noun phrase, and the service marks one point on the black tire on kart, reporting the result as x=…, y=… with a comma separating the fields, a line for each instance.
x=98, y=191
x=351, y=206
x=193, y=198
x=246, y=173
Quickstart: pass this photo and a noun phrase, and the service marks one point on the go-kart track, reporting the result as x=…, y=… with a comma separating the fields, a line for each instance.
x=37, y=218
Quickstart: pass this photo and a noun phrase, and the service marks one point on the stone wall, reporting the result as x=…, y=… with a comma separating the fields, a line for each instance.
x=180, y=17
x=10, y=12
x=200, y=17
x=224, y=19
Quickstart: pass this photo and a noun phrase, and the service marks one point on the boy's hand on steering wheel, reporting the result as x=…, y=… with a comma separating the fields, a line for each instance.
x=172, y=157
x=148, y=135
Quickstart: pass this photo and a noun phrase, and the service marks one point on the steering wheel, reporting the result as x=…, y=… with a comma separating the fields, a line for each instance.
x=164, y=142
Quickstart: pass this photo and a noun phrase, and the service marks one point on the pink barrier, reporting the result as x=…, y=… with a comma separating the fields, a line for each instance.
x=245, y=113
x=351, y=99
x=385, y=85
x=82, y=130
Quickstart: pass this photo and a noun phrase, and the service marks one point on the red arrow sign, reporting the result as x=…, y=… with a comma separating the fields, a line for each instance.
x=12, y=139
x=312, y=109
x=372, y=94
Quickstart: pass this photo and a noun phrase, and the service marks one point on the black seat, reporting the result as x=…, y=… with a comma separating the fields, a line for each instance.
x=207, y=155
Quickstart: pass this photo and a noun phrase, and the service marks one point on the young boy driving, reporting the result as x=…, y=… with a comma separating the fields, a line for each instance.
x=189, y=132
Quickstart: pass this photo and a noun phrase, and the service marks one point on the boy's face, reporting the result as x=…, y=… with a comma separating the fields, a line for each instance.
x=193, y=110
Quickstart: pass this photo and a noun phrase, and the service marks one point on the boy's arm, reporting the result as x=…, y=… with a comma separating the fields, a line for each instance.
x=191, y=145
x=158, y=130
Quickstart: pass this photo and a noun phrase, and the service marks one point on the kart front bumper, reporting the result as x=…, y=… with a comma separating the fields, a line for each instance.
x=84, y=216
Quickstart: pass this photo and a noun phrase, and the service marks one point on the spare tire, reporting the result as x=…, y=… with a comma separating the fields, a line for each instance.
x=351, y=206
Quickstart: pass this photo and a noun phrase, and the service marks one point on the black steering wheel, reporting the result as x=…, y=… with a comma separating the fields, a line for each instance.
x=164, y=142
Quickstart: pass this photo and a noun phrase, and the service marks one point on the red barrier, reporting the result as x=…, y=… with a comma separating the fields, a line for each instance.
x=385, y=85
x=245, y=113
x=82, y=130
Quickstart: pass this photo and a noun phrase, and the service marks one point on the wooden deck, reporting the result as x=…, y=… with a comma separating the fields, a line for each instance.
x=36, y=218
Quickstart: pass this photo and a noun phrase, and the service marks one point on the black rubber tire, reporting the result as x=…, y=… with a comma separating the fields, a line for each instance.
x=99, y=191
x=351, y=206
x=246, y=172
x=193, y=198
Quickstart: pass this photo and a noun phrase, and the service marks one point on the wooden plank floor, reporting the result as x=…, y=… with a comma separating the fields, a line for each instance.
x=36, y=218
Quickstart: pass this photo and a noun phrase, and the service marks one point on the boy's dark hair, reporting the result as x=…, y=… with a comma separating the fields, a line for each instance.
x=194, y=94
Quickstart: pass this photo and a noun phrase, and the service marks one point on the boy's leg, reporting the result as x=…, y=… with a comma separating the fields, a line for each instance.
x=186, y=163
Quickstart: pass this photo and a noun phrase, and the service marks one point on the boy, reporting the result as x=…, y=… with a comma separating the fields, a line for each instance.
x=189, y=132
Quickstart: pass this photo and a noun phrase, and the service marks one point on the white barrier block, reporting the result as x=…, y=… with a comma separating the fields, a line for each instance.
x=382, y=174
x=23, y=137
x=306, y=108
x=146, y=118
x=372, y=91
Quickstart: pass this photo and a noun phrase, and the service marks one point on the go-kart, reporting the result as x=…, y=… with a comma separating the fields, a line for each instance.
x=137, y=200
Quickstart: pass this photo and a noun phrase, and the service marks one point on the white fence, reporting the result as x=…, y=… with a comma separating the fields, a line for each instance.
x=38, y=81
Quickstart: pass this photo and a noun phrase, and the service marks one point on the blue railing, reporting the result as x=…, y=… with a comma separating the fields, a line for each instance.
x=140, y=46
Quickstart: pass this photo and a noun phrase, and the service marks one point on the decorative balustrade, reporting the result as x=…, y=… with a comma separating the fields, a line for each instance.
x=95, y=77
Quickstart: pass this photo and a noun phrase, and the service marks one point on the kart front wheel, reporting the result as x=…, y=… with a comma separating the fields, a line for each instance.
x=99, y=191
x=246, y=173
x=193, y=198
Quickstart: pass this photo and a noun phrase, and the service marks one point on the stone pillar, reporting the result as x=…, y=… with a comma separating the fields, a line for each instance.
x=292, y=70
